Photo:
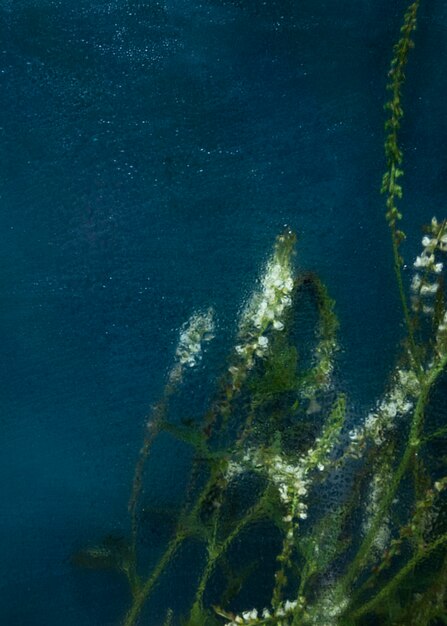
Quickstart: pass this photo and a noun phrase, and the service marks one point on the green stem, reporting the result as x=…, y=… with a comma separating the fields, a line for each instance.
x=390, y=185
x=441, y=432
x=220, y=549
x=412, y=446
x=152, y=430
x=393, y=584
x=143, y=594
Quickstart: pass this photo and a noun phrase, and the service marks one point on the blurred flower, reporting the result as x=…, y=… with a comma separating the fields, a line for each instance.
x=197, y=330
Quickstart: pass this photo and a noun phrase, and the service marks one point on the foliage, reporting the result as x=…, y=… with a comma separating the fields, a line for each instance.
x=331, y=523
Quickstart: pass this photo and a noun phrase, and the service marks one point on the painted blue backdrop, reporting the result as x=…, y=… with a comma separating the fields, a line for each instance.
x=150, y=152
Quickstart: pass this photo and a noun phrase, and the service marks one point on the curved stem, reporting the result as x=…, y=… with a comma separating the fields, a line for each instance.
x=219, y=550
x=413, y=444
x=152, y=430
x=142, y=595
x=393, y=584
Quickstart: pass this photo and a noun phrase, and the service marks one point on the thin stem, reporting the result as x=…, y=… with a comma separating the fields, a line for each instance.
x=412, y=446
x=144, y=592
x=152, y=430
x=218, y=550
x=441, y=432
x=390, y=184
x=393, y=584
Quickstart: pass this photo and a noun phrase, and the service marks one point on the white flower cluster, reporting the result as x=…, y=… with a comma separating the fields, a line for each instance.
x=280, y=616
x=197, y=330
x=425, y=283
x=266, y=307
x=380, y=480
x=291, y=480
x=293, y=485
x=233, y=470
x=396, y=403
x=401, y=398
x=329, y=607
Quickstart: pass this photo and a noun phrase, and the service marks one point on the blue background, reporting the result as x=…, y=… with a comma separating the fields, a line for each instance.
x=150, y=152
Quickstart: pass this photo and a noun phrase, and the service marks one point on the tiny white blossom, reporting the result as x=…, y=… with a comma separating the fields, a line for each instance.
x=263, y=342
x=416, y=283
x=430, y=289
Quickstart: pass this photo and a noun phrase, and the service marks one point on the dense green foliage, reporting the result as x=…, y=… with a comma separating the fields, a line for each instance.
x=344, y=518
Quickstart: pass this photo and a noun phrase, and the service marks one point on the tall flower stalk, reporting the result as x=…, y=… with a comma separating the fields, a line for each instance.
x=391, y=186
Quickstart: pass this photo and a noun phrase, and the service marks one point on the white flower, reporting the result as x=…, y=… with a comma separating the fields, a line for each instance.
x=197, y=330
x=429, y=289
x=263, y=342
x=418, y=262
x=416, y=283
x=397, y=402
x=390, y=409
x=424, y=260
x=250, y=615
x=355, y=435
x=277, y=325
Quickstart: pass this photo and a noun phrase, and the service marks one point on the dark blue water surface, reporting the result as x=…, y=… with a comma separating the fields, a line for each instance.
x=150, y=152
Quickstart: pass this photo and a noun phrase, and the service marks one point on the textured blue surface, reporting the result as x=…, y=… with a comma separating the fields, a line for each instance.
x=150, y=152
